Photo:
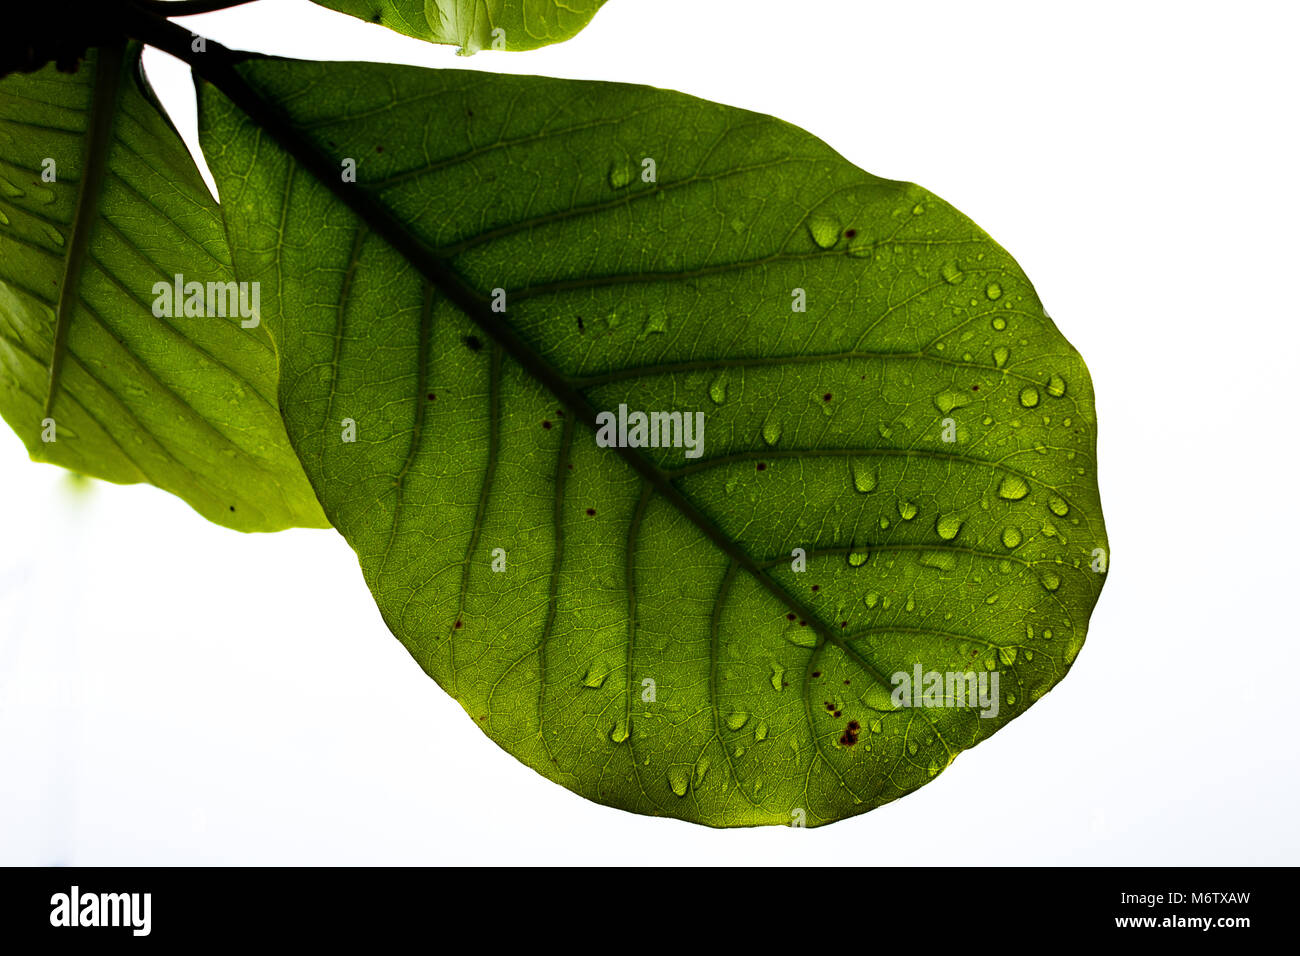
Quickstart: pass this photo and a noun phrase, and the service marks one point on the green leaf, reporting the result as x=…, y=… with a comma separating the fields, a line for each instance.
x=99, y=200
x=649, y=643
x=476, y=25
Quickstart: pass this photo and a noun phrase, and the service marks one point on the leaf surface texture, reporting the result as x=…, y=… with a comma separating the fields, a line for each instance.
x=824, y=428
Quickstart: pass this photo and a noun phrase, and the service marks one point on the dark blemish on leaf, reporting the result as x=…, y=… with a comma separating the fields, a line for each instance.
x=789, y=617
x=803, y=623
x=762, y=467
x=850, y=233
x=546, y=424
x=826, y=397
x=379, y=149
x=817, y=674
x=591, y=511
x=232, y=507
x=559, y=413
x=846, y=680
x=432, y=397
x=816, y=587
x=844, y=624
x=581, y=327
x=570, y=468
x=974, y=388
x=472, y=341
x=836, y=714
x=850, y=736
x=459, y=624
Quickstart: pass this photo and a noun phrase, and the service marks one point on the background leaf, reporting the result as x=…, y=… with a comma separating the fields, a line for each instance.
x=472, y=24
x=186, y=403
x=771, y=690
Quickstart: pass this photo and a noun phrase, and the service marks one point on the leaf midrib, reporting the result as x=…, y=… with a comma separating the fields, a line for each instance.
x=94, y=165
x=218, y=66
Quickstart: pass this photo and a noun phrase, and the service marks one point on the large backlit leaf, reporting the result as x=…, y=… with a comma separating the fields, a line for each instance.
x=648, y=643
x=99, y=200
x=475, y=25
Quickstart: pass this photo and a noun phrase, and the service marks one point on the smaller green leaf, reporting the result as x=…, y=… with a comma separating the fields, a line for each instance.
x=99, y=204
x=475, y=25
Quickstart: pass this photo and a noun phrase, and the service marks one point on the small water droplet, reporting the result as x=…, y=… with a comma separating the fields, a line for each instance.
x=701, y=769
x=939, y=560
x=656, y=323
x=999, y=323
x=993, y=290
x=1013, y=488
x=951, y=399
x=1029, y=396
x=737, y=719
x=948, y=526
x=906, y=510
x=871, y=599
x=771, y=431
x=801, y=636
x=596, y=674
x=951, y=273
x=1011, y=537
x=778, y=677
x=864, y=475
x=1056, y=386
x=718, y=389
x=1000, y=356
x=620, y=173
x=760, y=732
x=1007, y=655
x=678, y=780
x=1050, y=580
x=1058, y=506
x=824, y=230
x=857, y=558
x=619, y=733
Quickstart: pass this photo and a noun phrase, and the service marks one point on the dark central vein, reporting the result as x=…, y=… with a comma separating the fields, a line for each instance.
x=219, y=66
x=94, y=165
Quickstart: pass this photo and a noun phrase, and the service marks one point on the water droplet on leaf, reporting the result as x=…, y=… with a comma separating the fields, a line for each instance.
x=1013, y=488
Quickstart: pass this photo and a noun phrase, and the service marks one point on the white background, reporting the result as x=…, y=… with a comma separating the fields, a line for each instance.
x=171, y=692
